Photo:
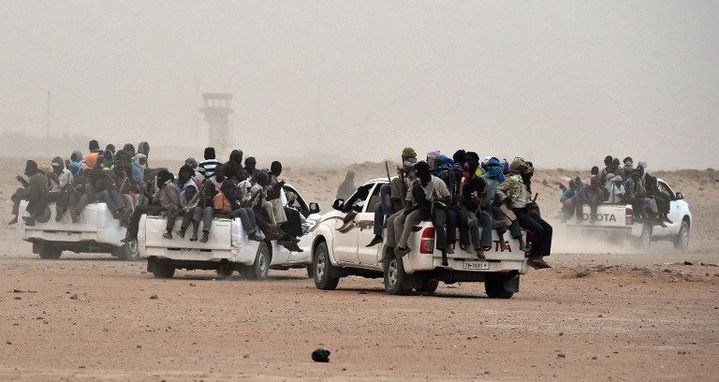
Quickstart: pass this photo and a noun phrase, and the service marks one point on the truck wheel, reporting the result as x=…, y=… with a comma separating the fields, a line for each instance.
x=163, y=269
x=324, y=269
x=128, y=251
x=494, y=287
x=261, y=268
x=395, y=280
x=428, y=286
x=682, y=240
x=47, y=251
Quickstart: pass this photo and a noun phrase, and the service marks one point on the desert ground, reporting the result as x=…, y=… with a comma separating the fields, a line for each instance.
x=603, y=312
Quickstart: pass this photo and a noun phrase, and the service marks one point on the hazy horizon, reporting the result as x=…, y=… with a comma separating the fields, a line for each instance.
x=563, y=83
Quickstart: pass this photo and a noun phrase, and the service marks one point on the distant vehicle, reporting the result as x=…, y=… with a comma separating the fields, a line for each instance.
x=228, y=249
x=336, y=255
x=621, y=220
x=96, y=232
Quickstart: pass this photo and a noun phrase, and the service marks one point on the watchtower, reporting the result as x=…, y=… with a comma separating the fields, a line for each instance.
x=217, y=108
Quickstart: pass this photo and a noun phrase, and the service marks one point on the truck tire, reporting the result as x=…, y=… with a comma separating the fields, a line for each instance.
x=682, y=240
x=163, y=269
x=323, y=269
x=311, y=271
x=494, y=287
x=428, y=286
x=46, y=251
x=260, y=269
x=128, y=252
x=396, y=281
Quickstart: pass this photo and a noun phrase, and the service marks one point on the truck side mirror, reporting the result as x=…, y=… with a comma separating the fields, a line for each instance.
x=338, y=204
x=314, y=208
x=679, y=196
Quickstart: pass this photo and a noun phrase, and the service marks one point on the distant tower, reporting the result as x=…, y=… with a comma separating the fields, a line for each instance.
x=217, y=109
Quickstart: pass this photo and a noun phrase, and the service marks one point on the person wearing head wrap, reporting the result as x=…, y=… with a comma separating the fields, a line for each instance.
x=493, y=177
x=138, y=167
x=407, y=153
x=615, y=189
x=431, y=158
x=393, y=199
x=473, y=198
x=60, y=181
x=430, y=196
x=516, y=193
x=571, y=200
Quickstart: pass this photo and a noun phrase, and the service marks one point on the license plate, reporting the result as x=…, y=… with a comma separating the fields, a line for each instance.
x=476, y=265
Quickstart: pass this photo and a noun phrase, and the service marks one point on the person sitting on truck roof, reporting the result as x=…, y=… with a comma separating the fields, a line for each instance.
x=207, y=166
x=515, y=192
x=60, y=181
x=617, y=166
x=473, y=192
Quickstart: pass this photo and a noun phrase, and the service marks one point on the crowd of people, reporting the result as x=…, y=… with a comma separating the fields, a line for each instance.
x=462, y=194
x=201, y=192
x=618, y=183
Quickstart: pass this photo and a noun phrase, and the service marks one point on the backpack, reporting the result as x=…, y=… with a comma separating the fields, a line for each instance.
x=221, y=204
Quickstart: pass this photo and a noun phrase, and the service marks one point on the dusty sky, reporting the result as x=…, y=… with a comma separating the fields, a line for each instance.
x=562, y=83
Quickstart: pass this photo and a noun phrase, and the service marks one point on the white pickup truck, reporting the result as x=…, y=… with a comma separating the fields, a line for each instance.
x=95, y=232
x=619, y=219
x=336, y=254
x=228, y=248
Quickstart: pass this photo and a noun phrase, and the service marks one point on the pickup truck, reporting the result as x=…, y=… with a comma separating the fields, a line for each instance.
x=336, y=254
x=95, y=232
x=619, y=219
x=228, y=248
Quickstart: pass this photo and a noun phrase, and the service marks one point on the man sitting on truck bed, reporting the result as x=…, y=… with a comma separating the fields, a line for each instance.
x=517, y=194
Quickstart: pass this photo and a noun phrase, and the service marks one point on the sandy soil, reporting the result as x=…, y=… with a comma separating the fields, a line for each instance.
x=604, y=312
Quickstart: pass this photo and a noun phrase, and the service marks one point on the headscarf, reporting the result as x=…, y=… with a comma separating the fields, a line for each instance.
x=423, y=172
x=408, y=152
x=494, y=169
x=431, y=158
